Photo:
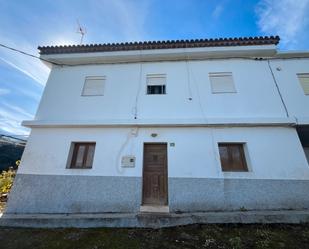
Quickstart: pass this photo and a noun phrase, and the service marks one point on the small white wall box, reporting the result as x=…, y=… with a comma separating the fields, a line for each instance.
x=128, y=161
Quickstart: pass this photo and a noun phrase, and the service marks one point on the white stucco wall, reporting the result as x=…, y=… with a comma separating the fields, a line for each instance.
x=286, y=74
x=256, y=96
x=272, y=152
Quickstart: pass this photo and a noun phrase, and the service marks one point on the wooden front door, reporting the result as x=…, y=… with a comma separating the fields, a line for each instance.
x=155, y=174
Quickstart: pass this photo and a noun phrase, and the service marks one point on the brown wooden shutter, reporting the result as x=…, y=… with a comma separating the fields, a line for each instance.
x=232, y=157
x=82, y=156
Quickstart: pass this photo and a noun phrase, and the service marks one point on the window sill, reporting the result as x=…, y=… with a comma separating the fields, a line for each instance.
x=80, y=168
x=237, y=174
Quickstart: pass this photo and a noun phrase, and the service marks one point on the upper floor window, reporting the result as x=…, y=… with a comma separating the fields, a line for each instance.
x=222, y=82
x=304, y=81
x=81, y=155
x=156, y=84
x=232, y=157
x=94, y=86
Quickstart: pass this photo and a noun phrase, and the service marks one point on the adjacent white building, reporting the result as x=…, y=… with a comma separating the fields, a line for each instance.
x=199, y=125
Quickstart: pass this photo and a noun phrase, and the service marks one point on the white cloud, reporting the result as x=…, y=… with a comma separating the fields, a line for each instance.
x=132, y=18
x=34, y=95
x=12, y=127
x=286, y=18
x=29, y=66
x=117, y=20
x=11, y=117
x=16, y=110
x=217, y=11
x=4, y=91
x=24, y=71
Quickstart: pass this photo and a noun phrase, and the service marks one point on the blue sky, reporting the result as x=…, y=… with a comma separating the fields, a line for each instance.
x=27, y=24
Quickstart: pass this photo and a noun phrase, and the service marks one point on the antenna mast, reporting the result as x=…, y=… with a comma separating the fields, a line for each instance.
x=81, y=31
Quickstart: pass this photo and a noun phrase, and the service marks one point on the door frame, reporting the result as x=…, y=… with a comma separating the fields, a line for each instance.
x=162, y=143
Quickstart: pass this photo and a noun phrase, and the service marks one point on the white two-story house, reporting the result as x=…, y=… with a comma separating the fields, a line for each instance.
x=170, y=126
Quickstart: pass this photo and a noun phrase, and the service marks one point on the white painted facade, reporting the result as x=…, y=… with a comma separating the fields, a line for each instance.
x=195, y=153
x=262, y=114
x=286, y=74
x=252, y=80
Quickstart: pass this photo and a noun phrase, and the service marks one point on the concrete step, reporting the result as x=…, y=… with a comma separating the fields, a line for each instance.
x=150, y=220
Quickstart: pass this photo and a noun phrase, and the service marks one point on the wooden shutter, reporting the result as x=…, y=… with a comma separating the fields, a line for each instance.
x=232, y=157
x=94, y=86
x=222, y=83
x=82, y=156
x=304, y=81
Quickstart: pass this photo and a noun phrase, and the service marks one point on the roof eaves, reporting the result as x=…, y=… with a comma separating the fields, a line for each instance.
x=168, y=44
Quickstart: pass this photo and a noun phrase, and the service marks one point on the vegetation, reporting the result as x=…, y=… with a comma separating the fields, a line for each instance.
x=6, y=182
x=193, y=236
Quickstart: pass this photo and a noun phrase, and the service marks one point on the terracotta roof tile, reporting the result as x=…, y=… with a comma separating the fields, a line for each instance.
x=126, y=46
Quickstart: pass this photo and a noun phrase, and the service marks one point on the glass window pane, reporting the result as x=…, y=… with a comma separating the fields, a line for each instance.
x=156, y=89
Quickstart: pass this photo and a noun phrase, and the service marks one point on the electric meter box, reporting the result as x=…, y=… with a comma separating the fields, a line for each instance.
x=128, y=161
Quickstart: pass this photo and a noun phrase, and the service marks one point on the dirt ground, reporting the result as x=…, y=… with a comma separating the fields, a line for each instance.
x=193, y=236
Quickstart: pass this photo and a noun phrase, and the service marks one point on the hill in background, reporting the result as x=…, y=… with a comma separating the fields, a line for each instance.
x=11, y=150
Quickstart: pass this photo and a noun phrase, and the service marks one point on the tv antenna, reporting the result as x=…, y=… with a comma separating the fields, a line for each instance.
x=81, y=31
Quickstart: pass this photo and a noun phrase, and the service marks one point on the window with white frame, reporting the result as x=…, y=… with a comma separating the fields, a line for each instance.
x=304, y=81
x=94, y=86
x=222, y=82
x=156, y=84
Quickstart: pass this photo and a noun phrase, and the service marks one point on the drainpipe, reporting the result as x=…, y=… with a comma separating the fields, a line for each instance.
x=278, y=89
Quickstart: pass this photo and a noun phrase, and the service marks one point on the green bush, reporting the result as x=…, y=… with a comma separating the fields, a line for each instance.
x=6, y=180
